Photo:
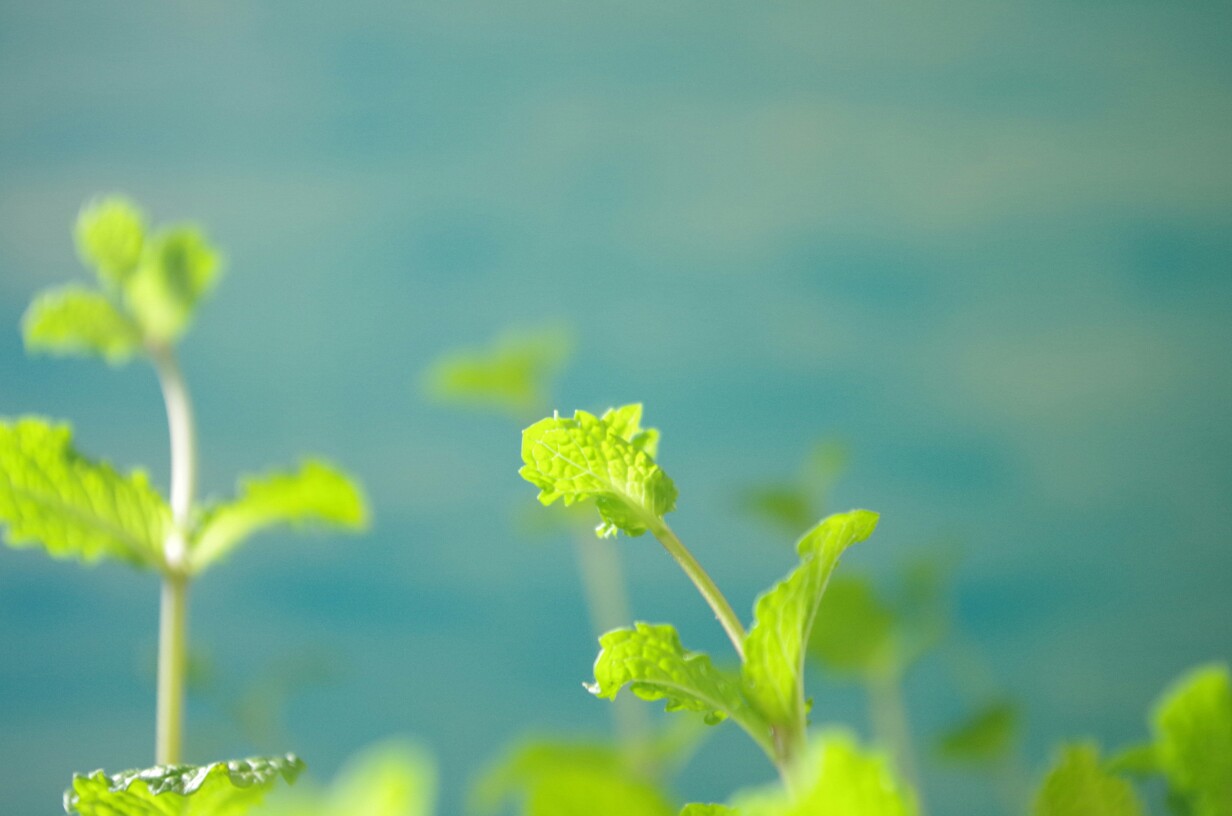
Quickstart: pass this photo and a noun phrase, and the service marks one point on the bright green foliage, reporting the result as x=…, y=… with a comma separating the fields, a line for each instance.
x=854, y=631
x=650, y=660
x=1136, y=760
x=986, y=735
x=512, y=376
x=110, y=234
x=1078, y=785
x=74, y=507
x=221, y=789
x=608, y=459
x=773, y=671
x=317, y=493
x=560, y=779
x=834, y=778
x=1193, y=739
x=394, y=778
x=695, y=809
x=73, y=320
x=177, y=269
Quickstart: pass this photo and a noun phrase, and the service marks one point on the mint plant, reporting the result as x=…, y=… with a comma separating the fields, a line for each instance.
x=610, y=459
x=148, y=286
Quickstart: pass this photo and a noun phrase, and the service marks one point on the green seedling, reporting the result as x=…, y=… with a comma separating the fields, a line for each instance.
x=610, y=460
x=148, y=287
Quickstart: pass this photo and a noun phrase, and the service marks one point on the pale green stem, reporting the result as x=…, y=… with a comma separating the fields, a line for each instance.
x=705, y=585
x=892, y=729
x=599, y=565
x=173, y=620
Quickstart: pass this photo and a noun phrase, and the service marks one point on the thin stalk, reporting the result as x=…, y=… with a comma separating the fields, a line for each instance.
x=173, y=611
x=705, y=585
x=889, y=715
x=608, y=606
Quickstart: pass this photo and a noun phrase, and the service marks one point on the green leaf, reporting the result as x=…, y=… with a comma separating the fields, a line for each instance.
x=221, y=789
x=512, y=376
x=986, y=735
x=1136, y=761
x=854, y=631
x=177, y=269
x=75, y=320
x=608, y=459
x=316, y=494
x=568, y=779
x=695, y=809
x=110, y=235
x=74, y=507
x=833, y=778
x=786, y=506
x=1078, y=785
x=1193, y=739
x=650, y=660
x=773, y=671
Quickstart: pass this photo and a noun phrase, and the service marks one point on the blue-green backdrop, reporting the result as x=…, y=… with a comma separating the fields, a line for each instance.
x=987, y=244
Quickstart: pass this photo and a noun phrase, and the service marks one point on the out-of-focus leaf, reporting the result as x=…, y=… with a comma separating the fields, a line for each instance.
x=834, y=778
x=854, y=631
x=177, y=269
x=73, y=507
x=786, y=506
x=110, y=235
x=986, y=735
x=513, y=375
x=585, y=457
x=72, y=320
x=316, y=494
x=392, y=778
x=1193, y=739
x=651, y=662
x=773, y=670
x=568, y=779
x=695, y=809
x=1137, y=760
x=220, y=789
x=1078, y=785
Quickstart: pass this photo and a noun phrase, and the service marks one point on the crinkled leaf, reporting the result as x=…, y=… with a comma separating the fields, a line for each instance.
x=586, y=457
x=650, y=660
x=513, y=376
x=74, y=507
x=833, y=778
x=1078, y=785
x=75, y=320
x=854, y=631
x=773, y=671
x=986, y=735
x=568, y=779
x=177, y=269
x=220, y=789
x=317, y=493
x=1193, y=739
x=110, y=236
x=695, y=809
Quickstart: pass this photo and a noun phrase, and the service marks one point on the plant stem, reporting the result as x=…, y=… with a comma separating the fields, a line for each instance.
x=889, y=714
x=705, y=585
x=173, y=611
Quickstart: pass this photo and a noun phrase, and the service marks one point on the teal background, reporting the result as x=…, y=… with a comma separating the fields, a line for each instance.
x=986, y=244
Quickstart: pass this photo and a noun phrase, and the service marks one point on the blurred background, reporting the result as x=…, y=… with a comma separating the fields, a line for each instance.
x=985, y=245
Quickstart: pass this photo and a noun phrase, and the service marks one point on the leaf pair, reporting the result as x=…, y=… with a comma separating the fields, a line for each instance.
x=75, y=507
x=150, y=286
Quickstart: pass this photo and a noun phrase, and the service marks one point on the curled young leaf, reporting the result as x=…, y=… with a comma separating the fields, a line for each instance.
x=73, y=507
x=606, y=458
x=219, y=789
x=650, y=660
x=177, y=269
